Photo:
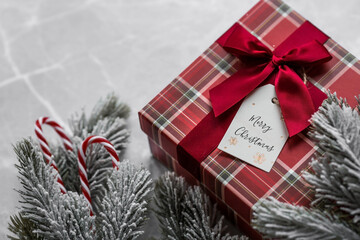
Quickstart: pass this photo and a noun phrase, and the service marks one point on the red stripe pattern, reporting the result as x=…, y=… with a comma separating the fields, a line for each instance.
x=181, y=105
x=82, y=165
x=45, y=146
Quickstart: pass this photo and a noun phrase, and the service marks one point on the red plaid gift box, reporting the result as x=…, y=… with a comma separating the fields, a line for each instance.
x=184, y=103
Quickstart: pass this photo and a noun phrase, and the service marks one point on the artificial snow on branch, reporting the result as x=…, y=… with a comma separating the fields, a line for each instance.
x=125, y=203
x=120, y=196
x=185, y=212
x=335, y=178
x=107, y=119
x=23, y=228
x=53, y=214
x=336, y=175
x=275, y=219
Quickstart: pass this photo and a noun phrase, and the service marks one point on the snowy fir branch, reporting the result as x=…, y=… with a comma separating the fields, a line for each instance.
x=23, y=228
x=169, y=194
x=107, y=119
x=185, y=212
x=53, y=214
x=109, y=108
x=336, y=175
x=285, y=221
x=120, y=197
x=335, y=178
x=126, y=201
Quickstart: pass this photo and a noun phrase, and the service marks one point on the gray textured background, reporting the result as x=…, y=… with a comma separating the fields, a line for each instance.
x=57, y=56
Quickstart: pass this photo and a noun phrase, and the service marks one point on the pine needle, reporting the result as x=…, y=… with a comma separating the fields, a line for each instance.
x=335, y=177
x=185, y=212
x=120, y=197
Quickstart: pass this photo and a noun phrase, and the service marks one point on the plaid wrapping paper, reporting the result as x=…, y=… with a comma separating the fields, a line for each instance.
x=172, y=164
x=181, y=105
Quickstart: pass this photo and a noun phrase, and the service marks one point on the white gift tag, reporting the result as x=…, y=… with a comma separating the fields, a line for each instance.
x=258, y=132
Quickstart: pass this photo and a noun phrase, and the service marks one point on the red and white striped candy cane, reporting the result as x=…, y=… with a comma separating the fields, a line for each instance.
x=45, y=146
x=82, y=165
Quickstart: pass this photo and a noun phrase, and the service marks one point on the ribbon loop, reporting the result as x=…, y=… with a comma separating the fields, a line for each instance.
x=243, y=44
x=295, y=100
x=310, y=53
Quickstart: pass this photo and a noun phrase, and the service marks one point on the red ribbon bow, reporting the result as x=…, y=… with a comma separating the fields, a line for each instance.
x=277, y=67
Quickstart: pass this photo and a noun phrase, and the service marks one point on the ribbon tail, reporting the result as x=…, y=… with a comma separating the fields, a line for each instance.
x=295, y=100
x=235, y=88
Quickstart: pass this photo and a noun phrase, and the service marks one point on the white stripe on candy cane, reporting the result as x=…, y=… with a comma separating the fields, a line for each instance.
x=45, y=146
x=82, y=165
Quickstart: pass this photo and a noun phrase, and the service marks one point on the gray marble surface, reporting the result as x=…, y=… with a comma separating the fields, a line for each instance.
x=59, y=56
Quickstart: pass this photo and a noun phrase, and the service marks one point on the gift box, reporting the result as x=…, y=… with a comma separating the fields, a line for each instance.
x=185, y=125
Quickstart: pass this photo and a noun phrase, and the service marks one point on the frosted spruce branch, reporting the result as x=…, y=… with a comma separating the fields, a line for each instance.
x=185, y=212
x=120, y=197
x=336, y=175
x=54, y=215
x=275, y=219
x=335, y=178
x=124, y=208
x=48, y=214
x=169, y=193
x=23, y=228
x=107, y=119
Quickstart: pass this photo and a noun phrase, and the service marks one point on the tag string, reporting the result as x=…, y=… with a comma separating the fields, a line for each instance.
x=304, y=75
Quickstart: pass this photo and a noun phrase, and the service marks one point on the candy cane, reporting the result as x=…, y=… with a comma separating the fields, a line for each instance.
x=82, y=166
x=45, y=146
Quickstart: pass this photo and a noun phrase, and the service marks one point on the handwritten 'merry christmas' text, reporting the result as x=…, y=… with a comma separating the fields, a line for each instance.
x=256, y=121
